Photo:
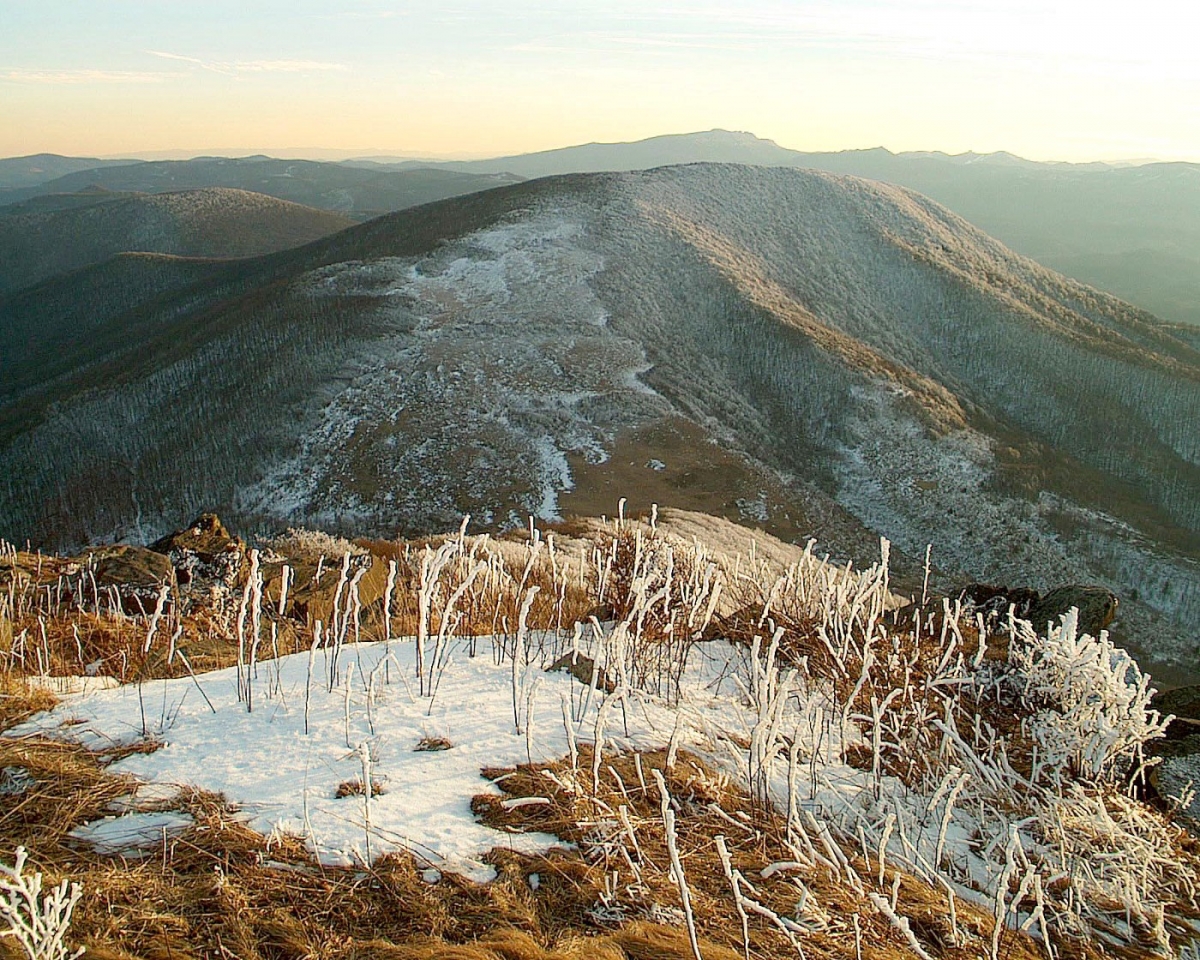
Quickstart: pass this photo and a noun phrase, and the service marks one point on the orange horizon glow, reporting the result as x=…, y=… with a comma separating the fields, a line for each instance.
x=1066, y=81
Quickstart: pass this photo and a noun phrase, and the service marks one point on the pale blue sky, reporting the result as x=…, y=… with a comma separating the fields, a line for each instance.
x=1068, y=80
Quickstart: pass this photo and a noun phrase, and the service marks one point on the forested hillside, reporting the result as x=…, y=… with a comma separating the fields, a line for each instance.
x=214, y=222
x=873, y=362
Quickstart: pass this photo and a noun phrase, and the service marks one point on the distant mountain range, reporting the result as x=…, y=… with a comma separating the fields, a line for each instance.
x=818, y=354
x=1132, y=230
x=21, y=172
x=352, y=191
x=214, y=222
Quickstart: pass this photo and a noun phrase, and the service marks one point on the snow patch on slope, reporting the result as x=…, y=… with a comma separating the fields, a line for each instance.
x=497, y=362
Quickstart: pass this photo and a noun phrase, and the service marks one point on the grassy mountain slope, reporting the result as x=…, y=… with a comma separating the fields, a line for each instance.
x=861, y=358
x=1134, y=231
x=214, y=222
x=328, y=186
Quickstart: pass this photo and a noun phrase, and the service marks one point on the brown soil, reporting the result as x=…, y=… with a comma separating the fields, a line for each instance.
x=700, y=475
x=697, y=474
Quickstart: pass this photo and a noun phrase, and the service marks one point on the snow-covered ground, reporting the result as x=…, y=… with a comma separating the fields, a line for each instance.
x=284, y=779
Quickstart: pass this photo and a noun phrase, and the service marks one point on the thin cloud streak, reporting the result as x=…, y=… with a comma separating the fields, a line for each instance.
x=232, y=68
x=1071, y=37
x=994, y=54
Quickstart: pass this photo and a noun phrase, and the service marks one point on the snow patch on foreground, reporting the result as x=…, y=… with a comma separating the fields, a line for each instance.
x=285, y=780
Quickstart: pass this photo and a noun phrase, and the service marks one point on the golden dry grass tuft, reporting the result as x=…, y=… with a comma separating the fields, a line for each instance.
x=20, y=698
x=706, y=805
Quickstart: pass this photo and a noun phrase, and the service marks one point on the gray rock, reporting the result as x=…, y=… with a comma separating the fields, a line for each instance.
x=1176, y=778
x=136, y=575
x=1184, y=704
x=581, y=668
x=1097, y=608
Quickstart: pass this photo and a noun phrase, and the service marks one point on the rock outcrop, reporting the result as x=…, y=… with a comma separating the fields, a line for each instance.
x=994, y=602
x=134, y=575
x=1097, y=606
x=206, y=557
x=1183, y=703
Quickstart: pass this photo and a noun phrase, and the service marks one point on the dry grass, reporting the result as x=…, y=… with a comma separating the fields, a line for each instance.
x=356, y=788
x=53, y=622
x=221, y=890
x=567, y=901
x=21, y=698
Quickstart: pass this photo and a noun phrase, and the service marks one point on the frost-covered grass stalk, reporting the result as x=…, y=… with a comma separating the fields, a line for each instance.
x=522, y=661
x=37, y=921
x=364, y=756
x=432, y=564
x=335, y=630
x=285, y=580
x=312, y=657
x=389, y=589
x=159, y=607
x=249, y=609
x=677, y=871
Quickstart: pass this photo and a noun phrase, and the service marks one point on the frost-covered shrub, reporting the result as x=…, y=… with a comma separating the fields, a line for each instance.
x=1089, y=702
x=1117, y=855
x=311, y=544
x=38, y=922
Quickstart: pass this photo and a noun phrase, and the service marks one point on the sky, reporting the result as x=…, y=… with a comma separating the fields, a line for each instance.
x=1053, y=79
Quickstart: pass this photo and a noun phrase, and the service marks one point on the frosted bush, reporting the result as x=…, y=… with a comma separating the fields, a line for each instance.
x=311, y=544
x=38, y=922
x=1118, y=856
x=1090, y=702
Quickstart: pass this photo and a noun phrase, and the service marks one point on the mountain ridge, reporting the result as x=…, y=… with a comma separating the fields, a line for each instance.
x=1132, y=229
x=1129, y=229
x=329, y=186
x=211, y=222
x=487, y=354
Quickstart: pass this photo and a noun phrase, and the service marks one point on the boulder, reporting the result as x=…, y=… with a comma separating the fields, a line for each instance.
x=994, y=602
x=989, y=600
x=135, y=574
x=1184, y=704
x=582, y=668
x=206, y=557
x=311, y=599
x=1097, y=605
x=1097, y=608
x=740, y=626
x=1175, y=777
